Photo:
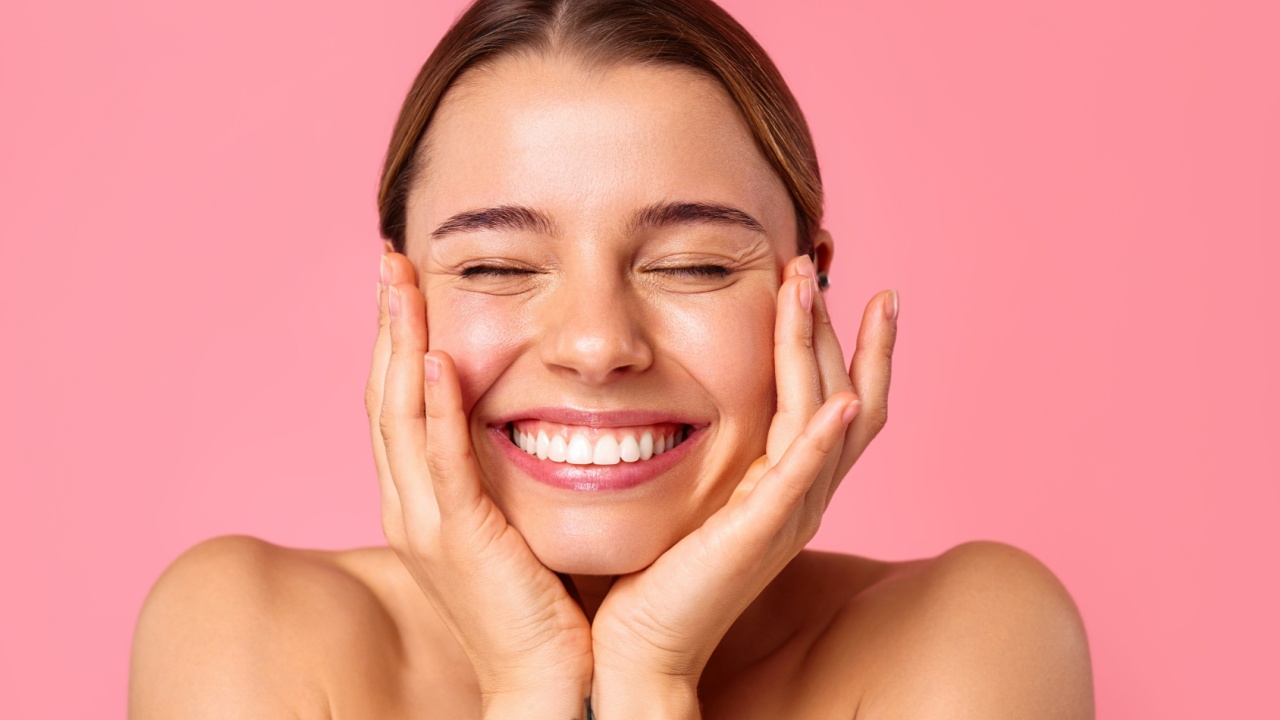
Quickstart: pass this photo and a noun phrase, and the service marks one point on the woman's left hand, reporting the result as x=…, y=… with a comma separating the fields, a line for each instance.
x=656, y=629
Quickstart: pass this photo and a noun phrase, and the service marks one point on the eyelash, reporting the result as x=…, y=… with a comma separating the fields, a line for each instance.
x=495, y=270
x=706, y=271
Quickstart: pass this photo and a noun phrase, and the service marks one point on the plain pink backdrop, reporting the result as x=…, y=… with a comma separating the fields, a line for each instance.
x=1076, y=200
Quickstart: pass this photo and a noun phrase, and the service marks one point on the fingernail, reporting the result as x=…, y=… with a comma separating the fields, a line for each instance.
x=850, y=411
x=891, y=306
x=393, y=302
x=430, y=368
x=806, y=295
x=384, y=270
x=805, y=266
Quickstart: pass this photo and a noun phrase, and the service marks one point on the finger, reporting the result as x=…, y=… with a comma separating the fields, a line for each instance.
x=392, y=516
x=870, y=372
x=378, y=370
x=402, y=421
x=392, y=268
x=826, y=345
x=833, y=376
x=795, y=366
x=450, y=454
x=783, y=486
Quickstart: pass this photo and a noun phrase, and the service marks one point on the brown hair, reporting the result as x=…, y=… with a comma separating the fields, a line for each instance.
x=691, y=33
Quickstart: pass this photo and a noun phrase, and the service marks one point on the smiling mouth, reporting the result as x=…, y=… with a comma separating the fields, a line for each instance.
x=580, y=445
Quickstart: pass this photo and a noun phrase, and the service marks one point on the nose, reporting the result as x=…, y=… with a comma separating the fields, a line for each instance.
x=594, y=331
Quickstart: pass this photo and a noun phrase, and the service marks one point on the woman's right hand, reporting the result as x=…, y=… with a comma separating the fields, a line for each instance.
x=528, y=641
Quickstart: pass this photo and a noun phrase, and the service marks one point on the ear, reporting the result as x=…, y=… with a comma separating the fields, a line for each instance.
x=824, y=250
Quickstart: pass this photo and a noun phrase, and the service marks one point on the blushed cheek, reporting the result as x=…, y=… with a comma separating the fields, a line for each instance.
x=481, y=333
x=729, y=350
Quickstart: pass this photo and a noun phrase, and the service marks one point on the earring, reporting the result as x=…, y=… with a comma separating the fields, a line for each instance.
x=823, y=281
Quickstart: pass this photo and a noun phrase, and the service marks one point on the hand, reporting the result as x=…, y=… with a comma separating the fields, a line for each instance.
x=659, y=626
x=525, y=637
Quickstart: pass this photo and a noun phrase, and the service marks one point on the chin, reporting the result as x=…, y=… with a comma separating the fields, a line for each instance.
x=597, y=543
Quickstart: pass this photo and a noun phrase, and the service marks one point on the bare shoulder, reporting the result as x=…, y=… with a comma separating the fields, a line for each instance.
x=984, y=630
x=238, y=627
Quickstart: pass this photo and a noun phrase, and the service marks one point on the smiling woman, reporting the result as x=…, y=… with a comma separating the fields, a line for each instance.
x=608, y=411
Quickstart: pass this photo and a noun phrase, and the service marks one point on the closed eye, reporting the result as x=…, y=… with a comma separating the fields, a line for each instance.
x=705, y=271
x=493, y=271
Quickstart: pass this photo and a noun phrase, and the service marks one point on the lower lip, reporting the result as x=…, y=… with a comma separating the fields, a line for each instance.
x=622, y=476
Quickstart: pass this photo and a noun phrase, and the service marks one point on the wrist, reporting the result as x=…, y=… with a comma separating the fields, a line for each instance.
x=550, y=702
x=628, y=696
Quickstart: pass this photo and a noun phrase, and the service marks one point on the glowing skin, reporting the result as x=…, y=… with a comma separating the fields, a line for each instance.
x=596, y=315
x=599, y=338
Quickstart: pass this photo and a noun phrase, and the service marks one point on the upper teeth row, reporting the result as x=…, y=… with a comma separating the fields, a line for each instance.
x=607, y=450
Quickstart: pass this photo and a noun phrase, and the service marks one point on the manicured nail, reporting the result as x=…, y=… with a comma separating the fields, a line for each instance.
x=805, y=266
x=384, y=270
x=891, y=306
x=393, y=302
x=806, y=294
x=430, y=368
x=850, y=411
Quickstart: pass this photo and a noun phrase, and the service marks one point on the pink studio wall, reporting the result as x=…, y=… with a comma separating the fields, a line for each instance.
x=1076, y=201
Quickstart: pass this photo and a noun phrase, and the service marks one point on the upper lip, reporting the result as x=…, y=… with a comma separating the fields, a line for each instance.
x=599, y=418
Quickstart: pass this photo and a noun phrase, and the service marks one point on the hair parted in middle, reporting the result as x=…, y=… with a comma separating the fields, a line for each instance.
x=695, y=34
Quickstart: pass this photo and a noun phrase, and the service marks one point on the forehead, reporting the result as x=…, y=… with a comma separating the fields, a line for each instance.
x=590, y=145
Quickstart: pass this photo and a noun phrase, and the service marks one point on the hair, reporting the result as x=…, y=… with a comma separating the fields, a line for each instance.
x=695, y=34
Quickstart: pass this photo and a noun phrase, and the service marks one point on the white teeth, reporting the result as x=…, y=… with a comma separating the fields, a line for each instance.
x=629, y=450
x=606, y=451
x=558, y=450
x=579, y=452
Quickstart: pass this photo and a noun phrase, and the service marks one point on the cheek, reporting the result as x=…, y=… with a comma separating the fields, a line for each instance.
x=481, y=333
x=728, y=347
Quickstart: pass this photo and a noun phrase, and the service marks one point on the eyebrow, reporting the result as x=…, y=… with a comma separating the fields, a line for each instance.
x=686, y=213
x=504, y=217
x=662, y=214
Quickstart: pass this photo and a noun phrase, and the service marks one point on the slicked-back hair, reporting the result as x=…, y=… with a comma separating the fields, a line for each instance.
x=695, y=34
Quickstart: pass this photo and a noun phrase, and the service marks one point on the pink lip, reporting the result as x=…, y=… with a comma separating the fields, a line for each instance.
x=595, y=477
x=598, y=418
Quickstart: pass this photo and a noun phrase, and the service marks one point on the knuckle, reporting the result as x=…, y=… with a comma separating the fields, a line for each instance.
x=386, y=424
x=441, y=468
x=823, y=437
x=372, y=401
x=434, y=411
x=810, y=521
x=393, y=529
x=879, y=416
x=438, y=469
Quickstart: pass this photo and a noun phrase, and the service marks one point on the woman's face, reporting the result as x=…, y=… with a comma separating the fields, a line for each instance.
x=600, y=253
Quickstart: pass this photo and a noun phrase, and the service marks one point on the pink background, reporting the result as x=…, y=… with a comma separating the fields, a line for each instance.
x=1077, y=201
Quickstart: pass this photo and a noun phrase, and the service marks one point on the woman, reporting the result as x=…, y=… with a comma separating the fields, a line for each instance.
x=608, y=411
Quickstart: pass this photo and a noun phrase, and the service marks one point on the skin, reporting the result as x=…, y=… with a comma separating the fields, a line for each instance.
x=689, y=596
